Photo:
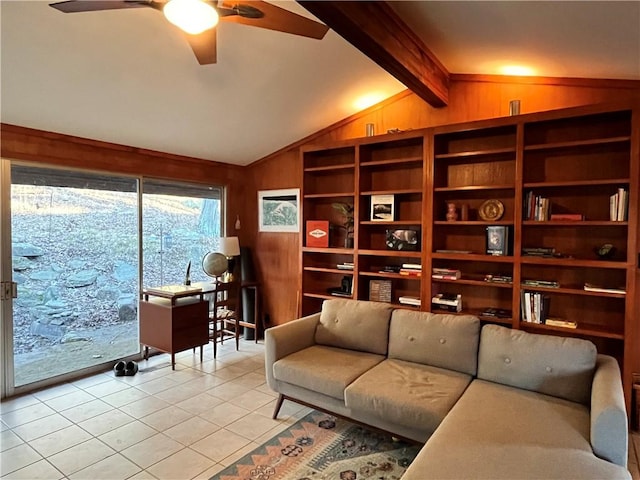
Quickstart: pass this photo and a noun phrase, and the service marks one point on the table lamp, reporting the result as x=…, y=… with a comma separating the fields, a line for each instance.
x=230, y=248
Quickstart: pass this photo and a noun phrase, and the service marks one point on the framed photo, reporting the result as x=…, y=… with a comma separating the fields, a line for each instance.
x=382, y=208
x=402, y=240
x=279, y=210
x=498, y=242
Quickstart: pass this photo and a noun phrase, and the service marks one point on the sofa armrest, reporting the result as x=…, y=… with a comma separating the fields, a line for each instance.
x=609, y=428
x=286, y=339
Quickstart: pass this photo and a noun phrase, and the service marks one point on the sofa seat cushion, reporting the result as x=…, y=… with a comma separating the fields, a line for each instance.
x=407, y=393
x=325, y=370
x=500, y=432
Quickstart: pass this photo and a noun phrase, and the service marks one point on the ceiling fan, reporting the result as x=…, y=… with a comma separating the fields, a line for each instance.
x=202, y=36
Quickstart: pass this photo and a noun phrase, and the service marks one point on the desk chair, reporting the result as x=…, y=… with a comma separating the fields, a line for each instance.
x=225, y=314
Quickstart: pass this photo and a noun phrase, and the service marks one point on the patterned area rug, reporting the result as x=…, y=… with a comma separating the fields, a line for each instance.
x=321, y=446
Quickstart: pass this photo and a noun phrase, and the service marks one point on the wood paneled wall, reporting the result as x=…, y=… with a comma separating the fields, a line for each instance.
x=472, y=97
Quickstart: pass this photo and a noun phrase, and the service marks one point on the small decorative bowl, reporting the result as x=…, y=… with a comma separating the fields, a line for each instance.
x=605, y=252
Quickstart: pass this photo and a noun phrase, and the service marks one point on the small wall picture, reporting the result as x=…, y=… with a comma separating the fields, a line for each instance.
x=382, y=208
x=279, y=210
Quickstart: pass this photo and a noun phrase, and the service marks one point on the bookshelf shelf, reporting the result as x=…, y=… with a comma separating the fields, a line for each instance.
x=475, y=153
x=397, y=276
x=578, y=143
x=477, y=283
x=391, y=162
x=474, y=188
x=328, y=195
x=330, y=168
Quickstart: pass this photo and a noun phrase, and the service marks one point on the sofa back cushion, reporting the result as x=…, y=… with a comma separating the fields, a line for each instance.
x=354, y=324
x=440, y=340
x=557, y=366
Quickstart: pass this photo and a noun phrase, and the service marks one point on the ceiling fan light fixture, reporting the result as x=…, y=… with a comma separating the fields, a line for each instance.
x=192, y=16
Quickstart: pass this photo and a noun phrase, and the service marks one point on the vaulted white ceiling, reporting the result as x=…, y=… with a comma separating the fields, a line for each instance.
x=129, y=77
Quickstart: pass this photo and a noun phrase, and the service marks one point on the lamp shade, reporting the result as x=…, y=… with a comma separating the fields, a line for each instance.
x=230, y=246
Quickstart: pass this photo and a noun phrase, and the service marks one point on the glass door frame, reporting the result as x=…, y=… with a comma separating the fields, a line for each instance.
x=7, y=367
x=6, y=306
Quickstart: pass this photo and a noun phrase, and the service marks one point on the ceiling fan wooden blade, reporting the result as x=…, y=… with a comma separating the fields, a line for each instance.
x=74, y=6
x=276, y=18
x=204, y=46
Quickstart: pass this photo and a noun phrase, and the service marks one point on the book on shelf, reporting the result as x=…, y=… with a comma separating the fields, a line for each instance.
x=496, y=312
x=409, y=272
x=618, y=205
x=451, y=302
x=390, y=269
x=591, y=287
x=445, y=274
x=534, y=306
x=538, y=251
x=409, y=300
x=317, y=233
x=574, y=217
x=556, y=322
x=540, y=283
x=338, y=292
x=536, y=207
x=492, y=278
x=345, y=266
x=412, y=266
x=498, y=240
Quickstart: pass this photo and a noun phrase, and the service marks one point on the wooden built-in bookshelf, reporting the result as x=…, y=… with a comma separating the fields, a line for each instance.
x=577, y=158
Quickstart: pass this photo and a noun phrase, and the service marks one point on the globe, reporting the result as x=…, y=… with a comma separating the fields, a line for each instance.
x=214, y=264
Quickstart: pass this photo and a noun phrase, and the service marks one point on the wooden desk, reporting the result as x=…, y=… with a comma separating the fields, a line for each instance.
x=175, y=318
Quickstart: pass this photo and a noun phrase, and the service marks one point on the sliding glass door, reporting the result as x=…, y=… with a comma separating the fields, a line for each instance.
x=78, y=246
x=74, y=244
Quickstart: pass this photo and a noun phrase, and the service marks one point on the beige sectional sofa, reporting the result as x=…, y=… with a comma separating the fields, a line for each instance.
x=488, y=402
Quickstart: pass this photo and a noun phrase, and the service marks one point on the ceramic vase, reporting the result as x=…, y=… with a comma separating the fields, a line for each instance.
x=452, y=214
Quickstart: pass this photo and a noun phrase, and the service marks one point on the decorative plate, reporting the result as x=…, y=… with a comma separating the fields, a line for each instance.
x=491, y=210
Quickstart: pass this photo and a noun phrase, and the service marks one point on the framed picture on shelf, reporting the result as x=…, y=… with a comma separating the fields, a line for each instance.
x=279, y=210
x=402, y=240
x=498, y=240
x=382, y=208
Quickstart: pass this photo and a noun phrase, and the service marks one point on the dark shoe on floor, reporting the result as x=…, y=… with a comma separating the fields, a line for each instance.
x=119, y=368
x=131, y=368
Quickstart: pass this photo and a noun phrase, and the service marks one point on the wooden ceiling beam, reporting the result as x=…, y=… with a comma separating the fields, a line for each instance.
x=378, y=32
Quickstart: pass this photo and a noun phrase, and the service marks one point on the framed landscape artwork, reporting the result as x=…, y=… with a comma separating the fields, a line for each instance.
x=279, y=210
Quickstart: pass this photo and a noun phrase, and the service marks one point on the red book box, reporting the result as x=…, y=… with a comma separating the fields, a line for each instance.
x=317, y=233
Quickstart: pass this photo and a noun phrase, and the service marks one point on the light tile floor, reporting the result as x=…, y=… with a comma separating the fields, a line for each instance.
x=182, y=424
x=160, y=423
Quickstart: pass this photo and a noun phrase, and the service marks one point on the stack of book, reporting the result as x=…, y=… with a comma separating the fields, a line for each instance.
x=407, y=300
x=345, y=266
x=445, y=273
x=591, y=287
x=451, y=302
x=535, y=306
x=492, y=278
x=618, y=205
x=536, y=207
x=496, y=312
x=411, y=269
x=541, y=283
x=538, y=251
x=556, y=322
